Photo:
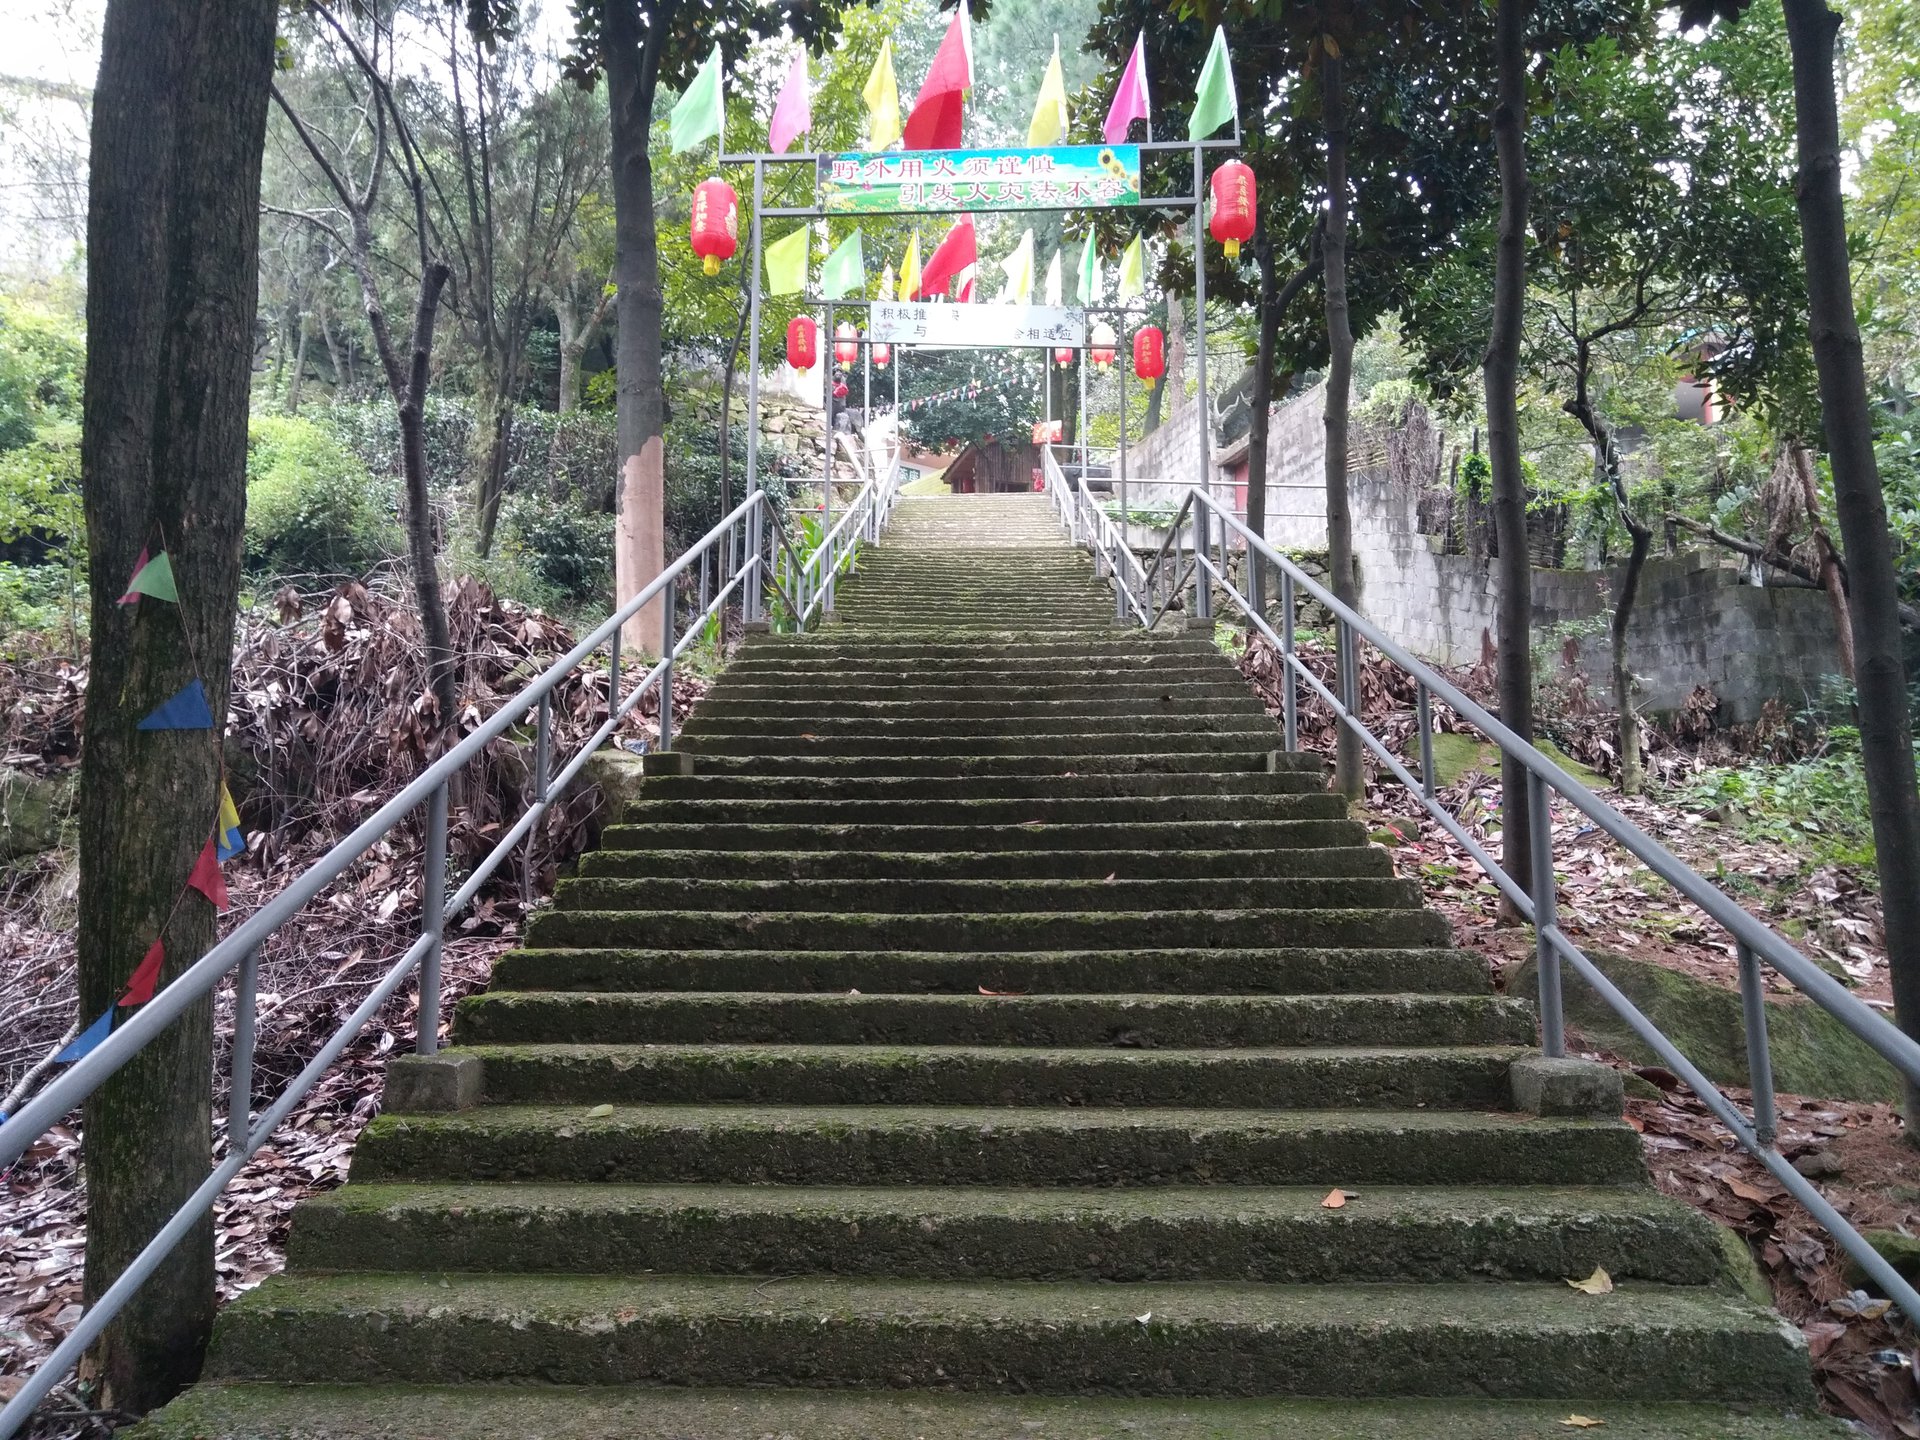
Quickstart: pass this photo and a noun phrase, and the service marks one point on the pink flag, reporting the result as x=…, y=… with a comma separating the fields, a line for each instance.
x=1130, y=100
x=792, y=115
x=935, y=121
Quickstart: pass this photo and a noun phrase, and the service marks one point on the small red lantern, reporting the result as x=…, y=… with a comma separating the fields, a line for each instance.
x=1063, y=357
x=803, y=342
x=882, y=353
x=1101, y=345
x=846, y=343
x=1149, y=352
x=716, y=223
x=1233, y=197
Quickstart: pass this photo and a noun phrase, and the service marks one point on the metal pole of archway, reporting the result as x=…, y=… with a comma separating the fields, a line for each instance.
x=751, y=606
x=828, y=362
x=1203, y=588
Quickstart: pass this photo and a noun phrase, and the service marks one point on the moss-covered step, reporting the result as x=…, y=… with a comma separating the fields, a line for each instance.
x=933, y=741
x=961, y=1145
x=1298, y=862
x=979, y=787
x=1330, y=970
x=1136, y=1021
x=1044, y=710
x=988, y=897
x=1161, y=835
x=1274, y=1235
x=1067, y=719
x=615, y=1412
x=1299, y=1077
x=1091, y=810
x=1132, y=763
x=1520, y=1341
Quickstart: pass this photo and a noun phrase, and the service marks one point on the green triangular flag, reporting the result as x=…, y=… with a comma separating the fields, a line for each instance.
x=1216, y=104
x=787, y=264
x=1089, y=272
x=1133, y=272
x=697, y=116
x=845, y=272
x=154, y=578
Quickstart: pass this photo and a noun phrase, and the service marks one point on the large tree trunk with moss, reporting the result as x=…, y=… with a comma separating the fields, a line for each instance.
x=1348, y=777
x=1886, y=733
x=631, y=58
x=179, y=123
x=1501, y=371
x=1826, y=558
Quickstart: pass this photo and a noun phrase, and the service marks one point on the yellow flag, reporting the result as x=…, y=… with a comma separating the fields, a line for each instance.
x=1133, y=272
x=910, y=269
x=1018, y=268
x=1049, y=124
x=882, y=95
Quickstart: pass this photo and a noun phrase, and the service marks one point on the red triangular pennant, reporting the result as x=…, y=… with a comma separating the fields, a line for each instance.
x=207, y=879
x=145, y=977
x=132, y=596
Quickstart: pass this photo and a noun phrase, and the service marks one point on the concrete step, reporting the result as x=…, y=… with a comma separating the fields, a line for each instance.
x=1132, y=692
x=729, y=864
x=981, y=898
x=1436, y=1078
x=1039, y=930
x=1642, y=1342
x=897, y=766
x=266, y=1411
x=763, y=786
x=1091, y=810
x=1133, y=728
x=938, y=744
x=996, y=1145
x=1076, y=654
x=1139, y=1021
x=1000, y=714
x=1157, y=835
x=1128, y=969
x=1281, y=1236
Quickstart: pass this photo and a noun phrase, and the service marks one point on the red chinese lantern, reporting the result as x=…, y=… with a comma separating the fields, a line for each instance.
x=1233, y=196
x=1100, y=349
x=803, y=342
x=1149, y=352
x=846, y=343
x=716, y=223
x=882, y=353
x=1063, y=357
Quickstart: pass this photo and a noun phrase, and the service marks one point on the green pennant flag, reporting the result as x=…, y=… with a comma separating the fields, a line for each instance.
x=1133, y=272
x=697, y=116
x=1089, y=272
x=1216, y=104
x=845, y=272
x=787, y=263
x=153, y=577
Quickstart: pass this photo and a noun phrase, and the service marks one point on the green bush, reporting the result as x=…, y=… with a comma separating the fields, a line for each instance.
x=567, y=549
x=312, y=506
x=42, y=356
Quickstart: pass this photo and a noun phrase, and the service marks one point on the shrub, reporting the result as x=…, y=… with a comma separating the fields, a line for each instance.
x=567, y=549
x=312, y=506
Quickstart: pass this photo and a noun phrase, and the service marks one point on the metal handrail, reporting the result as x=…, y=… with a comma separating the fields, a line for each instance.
x=746, y=531
x=1088, y=524
x=1755, y=943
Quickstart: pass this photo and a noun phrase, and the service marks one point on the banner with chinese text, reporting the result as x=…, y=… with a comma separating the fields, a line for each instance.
x=933, y=181
x=958, y=326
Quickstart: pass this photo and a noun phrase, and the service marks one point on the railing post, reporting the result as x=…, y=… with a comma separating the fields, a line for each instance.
x=433, y=907
x=1423, y=714
x=246, y=987
x=705, y=555
x=1202, y=583
x=1346, y=675
x=542, y=744
x=666, y=674
x=613, y=675
x=1553, y=1028
x=1290, y=696
x=1753, y=1007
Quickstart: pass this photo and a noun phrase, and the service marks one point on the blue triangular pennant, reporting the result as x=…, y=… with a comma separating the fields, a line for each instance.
x=186, y=711
x=86, y=1040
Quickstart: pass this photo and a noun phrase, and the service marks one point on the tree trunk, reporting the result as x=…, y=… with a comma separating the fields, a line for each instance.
x=1831, y=579
x=333, y=352
x=421, y=549
x=1261, y=403
x=179, y=125
x=493, y=470
x=573, y=348
x=1348, y=776
x=1886, y=735
x=1501, y=373
x=726, y=426
x=299, y=366
x=631, y=62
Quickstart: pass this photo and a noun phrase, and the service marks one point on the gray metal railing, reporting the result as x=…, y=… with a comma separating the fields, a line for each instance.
x=755, y=556
x=1190, y=573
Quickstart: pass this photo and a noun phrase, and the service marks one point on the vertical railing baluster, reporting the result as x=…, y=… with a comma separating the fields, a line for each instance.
x=666, y=678
x=433, y=909
x=246, y=999
x=537, y=792
x=1553, y=1028
x=1202, y=584
x=613, y=675
x=1423, y=714
x=1290, y=696
x=1753, y=1008
x=705, y=598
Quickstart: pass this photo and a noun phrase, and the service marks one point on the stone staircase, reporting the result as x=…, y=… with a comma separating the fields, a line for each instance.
x=966, y=1049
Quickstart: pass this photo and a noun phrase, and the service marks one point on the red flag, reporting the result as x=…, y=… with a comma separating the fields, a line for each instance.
x=207, y=879
x=146, y=975
x=937, y=112
x=954, y=254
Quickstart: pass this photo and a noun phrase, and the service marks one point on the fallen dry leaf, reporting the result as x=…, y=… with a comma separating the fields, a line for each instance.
x=1000, y=994
x=1336, y=1200
x=1598, y=1283
x=600, y=1112
x=1582, y=1422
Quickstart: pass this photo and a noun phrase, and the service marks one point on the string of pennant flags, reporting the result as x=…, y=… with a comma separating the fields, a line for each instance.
x=186, y=709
